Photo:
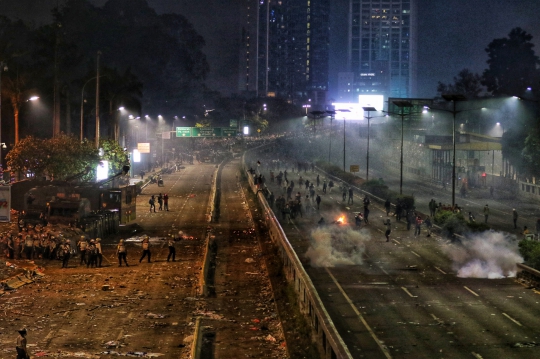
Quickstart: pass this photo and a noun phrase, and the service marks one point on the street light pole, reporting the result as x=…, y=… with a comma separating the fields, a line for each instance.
x=3, y=67
x=454, y=99
x=368, y=110
x=332, y=115
x=97, y=100
x=402, y=105
x=82, y=107
x=344, y=143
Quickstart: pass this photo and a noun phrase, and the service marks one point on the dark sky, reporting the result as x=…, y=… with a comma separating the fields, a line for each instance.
x=452, y=34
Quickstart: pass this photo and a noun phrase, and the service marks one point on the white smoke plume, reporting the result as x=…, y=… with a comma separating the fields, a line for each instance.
x=336, y=245
x=491, y=255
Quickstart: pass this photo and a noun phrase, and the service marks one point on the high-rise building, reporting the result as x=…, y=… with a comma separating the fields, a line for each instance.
x=382, y=48
x=247, y=79
x=293, y=43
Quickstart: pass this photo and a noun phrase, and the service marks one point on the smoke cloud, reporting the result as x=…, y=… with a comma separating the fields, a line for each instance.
x=336, y=245
x=491, y=255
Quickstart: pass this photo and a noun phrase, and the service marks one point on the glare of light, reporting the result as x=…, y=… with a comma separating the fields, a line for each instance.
x=529, y=88
x=246, y=130
x=147, y=116
x=136, y=156
x=515, y=97
x=102, y=170
x=376, y=101
x=183, y=116
x=424, y=111
x=138, y=118
x=33, y=98
x=159, y=116
x=131, y=117
x=498, y=123
x=176, y=117
x=121, y=108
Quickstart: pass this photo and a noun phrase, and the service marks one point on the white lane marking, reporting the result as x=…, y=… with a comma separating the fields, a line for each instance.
x=477, y=356
x=512, y=319
x=409, y=293
x=395, y=241
x=371, y=332
x=440, y=270
x=470, y=290
x=385, y=272
x=416, y=254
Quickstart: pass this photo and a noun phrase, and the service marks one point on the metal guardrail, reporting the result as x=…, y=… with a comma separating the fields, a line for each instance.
x=330, y=343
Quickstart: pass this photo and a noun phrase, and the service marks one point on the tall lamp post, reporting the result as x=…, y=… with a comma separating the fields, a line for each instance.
x=332, y=116
x=369, y=117
x=3, y=67
x=402, y=105
x=82, y=107
x=454, y=98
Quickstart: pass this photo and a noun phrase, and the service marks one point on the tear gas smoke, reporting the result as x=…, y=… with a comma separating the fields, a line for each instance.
x=490, y=255
x=335, y=245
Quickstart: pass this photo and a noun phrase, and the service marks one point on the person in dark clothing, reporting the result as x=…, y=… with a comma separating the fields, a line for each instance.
x=318, y=180
x=121, y=252
x=160, y=202
x=350, y=201
x=366, y=214
x=387, y=206
x=318, y=200
x=172, y=249
x=146, y=249
x=324, y=187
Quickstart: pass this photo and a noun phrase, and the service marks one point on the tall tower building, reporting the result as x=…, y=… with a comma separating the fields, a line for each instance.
x=293, y=47
x=382, y=48
x=247, y=80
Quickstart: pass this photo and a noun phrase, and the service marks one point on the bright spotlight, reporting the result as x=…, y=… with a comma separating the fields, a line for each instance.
x=529, y=88
x=121, y=108
x=146, y=116
x=33, y=98
x=498, y=123
x=131, y=117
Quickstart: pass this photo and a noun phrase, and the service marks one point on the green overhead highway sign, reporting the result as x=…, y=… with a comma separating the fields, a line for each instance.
x=183, y=132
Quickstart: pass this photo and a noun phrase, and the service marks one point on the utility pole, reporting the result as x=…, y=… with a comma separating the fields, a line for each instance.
x=97, y=100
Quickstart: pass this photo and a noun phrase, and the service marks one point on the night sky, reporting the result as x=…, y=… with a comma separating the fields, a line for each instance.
x=452, y=34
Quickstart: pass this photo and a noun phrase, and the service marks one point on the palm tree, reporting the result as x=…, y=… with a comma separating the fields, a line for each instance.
x=15, y=89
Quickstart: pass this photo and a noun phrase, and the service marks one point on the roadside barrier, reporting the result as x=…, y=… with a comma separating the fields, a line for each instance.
x=330, y=343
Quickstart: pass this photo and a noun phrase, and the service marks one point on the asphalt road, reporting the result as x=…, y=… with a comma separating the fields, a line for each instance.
x=404, y=299
x=152, y=307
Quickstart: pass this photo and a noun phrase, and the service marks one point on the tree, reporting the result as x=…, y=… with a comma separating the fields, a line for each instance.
x=513, y=65
x=465, y=83
x=115, y=154
x=530, y=155
x=58, y=157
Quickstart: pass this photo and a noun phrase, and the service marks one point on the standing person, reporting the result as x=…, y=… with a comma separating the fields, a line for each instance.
x=99, y=252
x=152, y=203
x=142, y=175
x=11, y=246
x=486, y=213
x=22, y=351
x=388, y=226
x=491, y=191
x=28, y=246
x=166, y=202
x=65, y=248
x=417, y=225
x=146, y=249
x=471, y=217
x=160, y=202
x=318, y=200
x=387, y=206
x=324, y=187
x=432, y=207
x=344, y=194
x=121, y=252
x=330, y=186
x=318, y=181
x=514, y=217
x=172, y=249
x=429, y=225
x=350, y=201
x=366, y=214
x=83, y=245
x=92, y=254
x=399, y=211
